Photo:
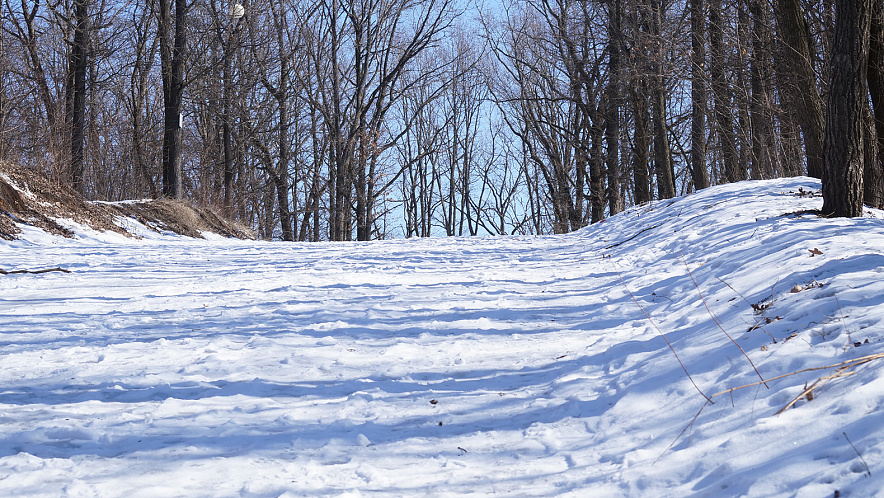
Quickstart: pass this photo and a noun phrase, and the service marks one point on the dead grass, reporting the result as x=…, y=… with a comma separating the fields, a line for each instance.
x=180, y=217
x=31, y=198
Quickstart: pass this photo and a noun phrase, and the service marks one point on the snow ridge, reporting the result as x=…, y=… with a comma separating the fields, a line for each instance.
x=518, y=366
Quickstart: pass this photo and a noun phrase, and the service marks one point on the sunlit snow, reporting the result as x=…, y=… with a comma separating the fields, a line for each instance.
x=512, y=366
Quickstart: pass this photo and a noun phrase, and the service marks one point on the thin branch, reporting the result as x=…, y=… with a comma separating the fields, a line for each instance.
x=664, y=338
x=715, y=319
x=47, y=270
x=844, y=365
x=863, y=460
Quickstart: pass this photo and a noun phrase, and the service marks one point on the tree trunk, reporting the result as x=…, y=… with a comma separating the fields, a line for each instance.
x=640, y=176
x=873, y=180
x=77, y=95
x=225, y=134
x=741, y=93
x=764, y=153
x=843, y=145
x=809, y=111
x=699, y=174
x=172, y=53
x=612, y=100
x=874, y=196
x=596, y=178
x=282, y=174
x=145, y=52
x=662, y=150
x=790, y=137
x=723, y=115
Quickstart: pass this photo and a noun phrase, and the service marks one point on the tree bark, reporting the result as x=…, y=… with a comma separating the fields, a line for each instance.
x=662, y=149
x=172, y=54
x=699, y=174
x=612, y=112
x=843, y=144
x=764, y=153
x=809, y=111
x=596, y=169
x=723, y=114
x=874, y=176
x=640, y=117
x=76, y=96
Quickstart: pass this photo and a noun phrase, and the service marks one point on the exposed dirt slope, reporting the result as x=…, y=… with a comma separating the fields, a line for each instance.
x=31, y=198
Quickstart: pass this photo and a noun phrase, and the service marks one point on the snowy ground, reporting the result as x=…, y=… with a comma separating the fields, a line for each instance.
x=449, y=367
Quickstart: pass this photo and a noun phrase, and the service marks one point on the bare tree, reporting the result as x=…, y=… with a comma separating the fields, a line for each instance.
x=613, y=105
x=276, y=60
x=662, y=150
x=76, y=93
x=140, y=100
x=798, y=59
x=873, y=175
x=721, y=92
x=764, y=158
x=173, y=53
x=363, y=48
x=44, y=128
x=843, y=146
x=699, y=174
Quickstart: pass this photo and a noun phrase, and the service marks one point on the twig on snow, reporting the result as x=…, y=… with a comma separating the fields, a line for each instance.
x=633, y=236
x=840, y=372
x=757, y=325
x=47, y=270
x=715, y=319
x=664, y=338
x=863, y=460
x=680, y=434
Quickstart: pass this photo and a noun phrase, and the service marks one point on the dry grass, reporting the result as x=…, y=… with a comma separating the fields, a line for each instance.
x=180, y=217
x=31, y=198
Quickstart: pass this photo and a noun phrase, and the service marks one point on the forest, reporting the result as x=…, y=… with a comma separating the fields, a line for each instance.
x=336, y=120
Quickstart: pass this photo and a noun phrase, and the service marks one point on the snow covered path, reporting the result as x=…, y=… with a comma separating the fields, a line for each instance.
x=450, y=367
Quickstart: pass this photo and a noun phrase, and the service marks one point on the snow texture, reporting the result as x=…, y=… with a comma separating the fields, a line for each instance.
x=513, y=366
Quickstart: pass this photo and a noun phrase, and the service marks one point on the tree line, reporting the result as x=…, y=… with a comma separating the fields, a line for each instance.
x=368, y=119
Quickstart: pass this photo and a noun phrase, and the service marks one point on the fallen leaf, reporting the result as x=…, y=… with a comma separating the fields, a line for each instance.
x=815, y=252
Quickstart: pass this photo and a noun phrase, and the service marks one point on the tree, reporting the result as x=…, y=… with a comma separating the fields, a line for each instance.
x=76, y=93
x=640, y=97
x=765, y=163
x=722, y=94
x=843, y=143
x=276, y=64
x=873, y=177
x=797, y=71
x=139, y=101
x=363, y=49
x=612, y=105
x=44, y=130
x=173, y=52
x=699, y=174
x=549, y=93
x=662, y=149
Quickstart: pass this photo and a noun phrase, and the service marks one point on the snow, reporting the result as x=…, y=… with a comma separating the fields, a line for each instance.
x=520, y=366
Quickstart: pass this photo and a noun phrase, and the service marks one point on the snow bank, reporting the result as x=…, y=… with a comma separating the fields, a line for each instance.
x=529, y=366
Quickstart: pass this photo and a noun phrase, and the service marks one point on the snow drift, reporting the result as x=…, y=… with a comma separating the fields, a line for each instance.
x=723, y=343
